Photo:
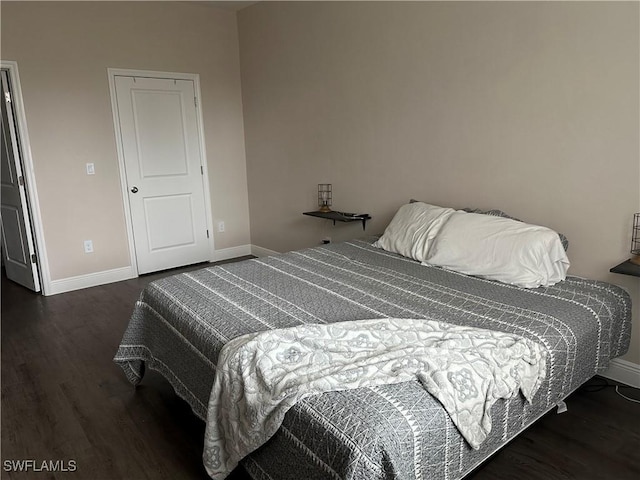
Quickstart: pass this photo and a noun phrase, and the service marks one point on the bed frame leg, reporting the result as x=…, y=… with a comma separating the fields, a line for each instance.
x=562, y=407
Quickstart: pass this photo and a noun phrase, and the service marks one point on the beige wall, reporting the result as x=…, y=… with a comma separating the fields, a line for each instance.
x=63, y=50
x=527, y=107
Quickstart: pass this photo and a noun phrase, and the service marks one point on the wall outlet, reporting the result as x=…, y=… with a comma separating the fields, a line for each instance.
x=88, y=246
x=221, y=226
x=91, y=169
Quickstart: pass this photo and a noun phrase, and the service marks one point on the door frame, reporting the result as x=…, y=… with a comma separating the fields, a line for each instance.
x=28, y=172
x=112, y=74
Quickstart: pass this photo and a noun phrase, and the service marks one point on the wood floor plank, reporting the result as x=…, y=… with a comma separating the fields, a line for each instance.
x=63, y=398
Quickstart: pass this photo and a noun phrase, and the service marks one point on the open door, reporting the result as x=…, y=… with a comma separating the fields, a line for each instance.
x=18, y=246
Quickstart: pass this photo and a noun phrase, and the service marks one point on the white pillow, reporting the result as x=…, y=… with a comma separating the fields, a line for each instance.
x=500, y=249
x=412, y=229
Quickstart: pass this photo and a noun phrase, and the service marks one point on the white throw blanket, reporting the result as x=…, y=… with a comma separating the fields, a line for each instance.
x=260, y=376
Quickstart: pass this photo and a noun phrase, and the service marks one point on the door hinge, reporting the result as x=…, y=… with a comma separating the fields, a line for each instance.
x=34, y=259
x=207, y=233
x=7, y=97
x=195, y=101
x=201, y=170
x=21, y=181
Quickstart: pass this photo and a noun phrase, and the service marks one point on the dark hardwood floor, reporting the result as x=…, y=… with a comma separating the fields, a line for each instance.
x=63, y=399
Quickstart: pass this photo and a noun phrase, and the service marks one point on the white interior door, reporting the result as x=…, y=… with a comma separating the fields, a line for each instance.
x=163, y=163
x=18, y=247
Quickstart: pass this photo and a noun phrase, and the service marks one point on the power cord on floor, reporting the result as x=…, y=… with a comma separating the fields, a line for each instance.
x=624, y=396
x=603, y=383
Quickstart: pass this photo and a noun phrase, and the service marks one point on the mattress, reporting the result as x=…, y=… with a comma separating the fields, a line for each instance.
x=180, y=324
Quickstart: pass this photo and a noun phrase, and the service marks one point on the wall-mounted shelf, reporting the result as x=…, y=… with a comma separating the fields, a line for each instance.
x=341, y=217
x=627, y=268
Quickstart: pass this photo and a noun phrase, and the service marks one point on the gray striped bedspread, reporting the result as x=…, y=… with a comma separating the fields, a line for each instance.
x=180, y=324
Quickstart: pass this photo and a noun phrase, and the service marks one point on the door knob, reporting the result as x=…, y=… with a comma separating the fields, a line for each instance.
x=134, y=190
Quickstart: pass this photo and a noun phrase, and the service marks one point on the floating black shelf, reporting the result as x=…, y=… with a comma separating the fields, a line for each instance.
x=627, y=268
x=341, y=217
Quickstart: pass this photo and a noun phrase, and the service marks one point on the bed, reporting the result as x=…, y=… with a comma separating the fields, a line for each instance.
x=181, y=323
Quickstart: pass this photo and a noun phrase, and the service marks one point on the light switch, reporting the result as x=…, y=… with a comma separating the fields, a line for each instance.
x=91, y=169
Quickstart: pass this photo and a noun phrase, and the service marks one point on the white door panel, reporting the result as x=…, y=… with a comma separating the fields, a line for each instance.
x=161, y=146
x=161, y=135
x=182, y=232
x=17, y=240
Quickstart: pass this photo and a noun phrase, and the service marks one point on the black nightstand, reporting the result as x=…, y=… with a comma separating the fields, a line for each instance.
x=341, y=217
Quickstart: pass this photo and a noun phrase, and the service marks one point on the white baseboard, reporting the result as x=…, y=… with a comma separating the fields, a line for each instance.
x=624, y=372
x=231, y=252
x=125, y=273
x=90, y=280
x=262, y=252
